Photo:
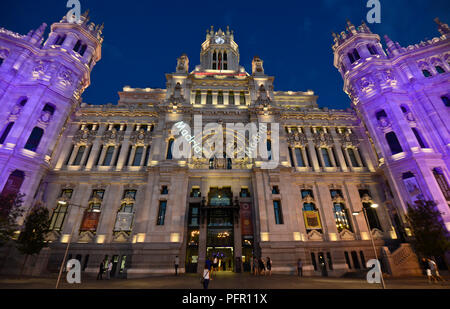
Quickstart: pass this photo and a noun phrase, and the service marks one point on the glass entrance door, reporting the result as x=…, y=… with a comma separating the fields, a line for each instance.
x=224, y=255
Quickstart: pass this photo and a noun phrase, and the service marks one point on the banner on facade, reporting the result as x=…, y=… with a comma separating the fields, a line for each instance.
x=413, y=188
x=13, y=184
x=246, y=219
x=312, y=220
x=442, y=182
x=124, y=221
x=90, y=221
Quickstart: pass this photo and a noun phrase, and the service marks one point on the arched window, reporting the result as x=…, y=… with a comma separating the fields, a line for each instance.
x=372, y=49
x=209, y=97
x=77, y=46
x=356, y=54
x=34, y=139
x=147, y=155
x=393, y=143
x=350, y=57
x=13, y=184
x=23, y=101
x=439, y=69
x=404, y=109
x=372, y=216
x=169, y=149
x=125, y=215
x=340, y=212
x=419, y=138
x=426, y=73
x=60, y=39
x=6, y=132
x=214, y=63
x=50, y=108
x=83, y=49
x=60, y=212
x=79, y=155
x=225, y=61
x=381, y=114
x=269, y=150
x=231, y=98
x=108, y=156
x=219, y=64
x=446, y=100
x=198, y=97
x=220, y=98
x=92, y=214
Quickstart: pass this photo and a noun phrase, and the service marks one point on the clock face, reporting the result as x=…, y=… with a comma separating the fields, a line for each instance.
x=219, y=40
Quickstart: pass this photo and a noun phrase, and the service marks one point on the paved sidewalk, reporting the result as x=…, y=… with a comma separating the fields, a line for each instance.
x=224, y=280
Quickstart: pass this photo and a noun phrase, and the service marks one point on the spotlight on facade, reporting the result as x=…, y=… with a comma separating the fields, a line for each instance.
x=62, y=202
x=355, y=213
x=374, y=205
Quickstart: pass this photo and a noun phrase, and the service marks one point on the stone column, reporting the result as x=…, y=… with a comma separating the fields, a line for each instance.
x=203, y=100
x=226, y=97
x=214, y=97
x=202, y=243
x=312, y=152
x=325, y=207
x=338, y=148
x=237, y=242
x=93, y=155
x=353, y=203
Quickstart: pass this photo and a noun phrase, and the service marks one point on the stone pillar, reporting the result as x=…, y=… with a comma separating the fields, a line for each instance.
x=203, y=100
x=214, y=97
x=237, y=243
x=312, y=151
x=337, y=148
x=93, y=155
x=202, y=243
x=226, y=97
x=325, y=206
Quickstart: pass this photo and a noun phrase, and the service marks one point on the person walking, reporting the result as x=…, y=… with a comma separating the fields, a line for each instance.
x=269, y=266
x=262, y=267
x=426, y=268
x=255, y=266
x=431, y=271
x=205, y=279
x=108, y=270
x=435, y=271
x=176, y=262
x=100, y=271
x=215, y=265
x=300, y=268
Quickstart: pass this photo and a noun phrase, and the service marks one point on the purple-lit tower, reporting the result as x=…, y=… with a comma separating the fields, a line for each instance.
x=403, y=97
x=40, y=87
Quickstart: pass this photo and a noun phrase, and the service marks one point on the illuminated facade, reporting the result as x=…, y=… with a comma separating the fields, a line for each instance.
x=141, y=206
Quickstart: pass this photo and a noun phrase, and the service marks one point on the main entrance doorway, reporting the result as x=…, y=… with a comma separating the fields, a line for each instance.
x=224, y=256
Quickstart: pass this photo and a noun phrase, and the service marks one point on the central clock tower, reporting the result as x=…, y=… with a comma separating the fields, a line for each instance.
x=219, y=52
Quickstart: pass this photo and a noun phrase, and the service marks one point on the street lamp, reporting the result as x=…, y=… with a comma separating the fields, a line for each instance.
x=64, y=203
x=355, y=213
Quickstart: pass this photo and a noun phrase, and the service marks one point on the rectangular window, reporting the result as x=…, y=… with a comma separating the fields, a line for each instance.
x=128, y=155
x=351, y=154
x=87, y=156
x=116, y=159
x=278, y=212
x=99, y=155
x=291, y=156
x=79, y=155
x=70, y=155
x=108, y=156
x=147, y=155
x=335, y=157
x=326, y=157
x=318, y=157
x=299, y=156
x=138, y=156
x=161, y=212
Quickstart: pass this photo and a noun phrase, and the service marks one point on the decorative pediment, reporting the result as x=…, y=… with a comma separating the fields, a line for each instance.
x=86, y=236
x=53, y=236
x=297, y=139
x=140, y=137
x=346, y=235
x=308, y=199
x=349, y=139
x=113, y=136
x=84, y=136
x=376, y=233
x=121, y=236
x=315, y=236
x=322, y=139
x=338, y=199
x=366, y=199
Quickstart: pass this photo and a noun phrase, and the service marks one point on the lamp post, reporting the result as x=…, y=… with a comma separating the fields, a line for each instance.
x=355, y=213
x=64, y=203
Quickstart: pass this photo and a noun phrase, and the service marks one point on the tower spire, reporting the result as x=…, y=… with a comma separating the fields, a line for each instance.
x=442, y=27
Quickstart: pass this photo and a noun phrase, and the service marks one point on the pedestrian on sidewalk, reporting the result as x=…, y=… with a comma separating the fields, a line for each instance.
x=100, y=271
x=269, y=266
x=435, y=271
x=215, y=265
x=431, y=271
x=426, y=269
x=108, y=270
x=176, y=262
x=255, y=266
x=299, y=268
x=205, y=279
x=262, y=267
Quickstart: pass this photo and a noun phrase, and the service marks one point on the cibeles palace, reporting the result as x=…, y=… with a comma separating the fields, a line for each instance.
x=109, y=173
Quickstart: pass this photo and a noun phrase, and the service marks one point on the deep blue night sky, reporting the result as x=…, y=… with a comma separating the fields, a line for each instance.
x=144, y=38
